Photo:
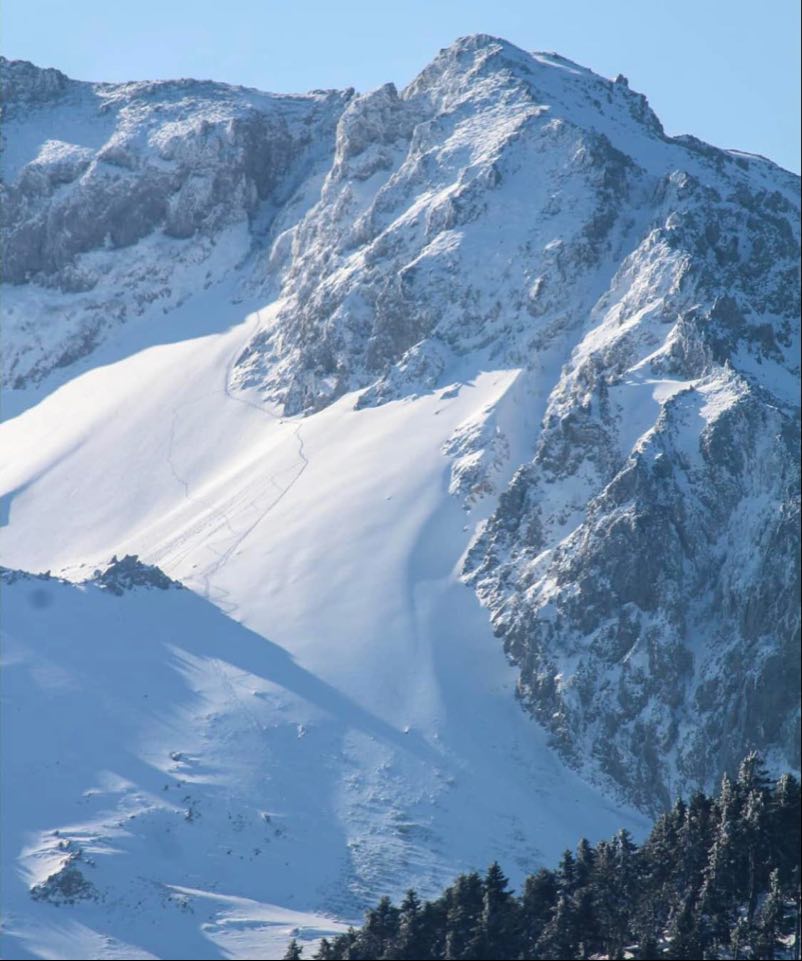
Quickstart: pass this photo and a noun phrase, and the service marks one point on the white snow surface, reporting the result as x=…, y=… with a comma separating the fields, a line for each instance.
x=322, y=718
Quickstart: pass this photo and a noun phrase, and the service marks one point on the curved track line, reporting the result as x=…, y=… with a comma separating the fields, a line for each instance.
x=239, y=536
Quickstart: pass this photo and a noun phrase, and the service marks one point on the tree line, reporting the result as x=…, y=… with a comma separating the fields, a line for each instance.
x=718, y=877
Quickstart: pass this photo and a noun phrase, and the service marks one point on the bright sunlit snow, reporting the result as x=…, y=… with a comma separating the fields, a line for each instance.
x=325, y=715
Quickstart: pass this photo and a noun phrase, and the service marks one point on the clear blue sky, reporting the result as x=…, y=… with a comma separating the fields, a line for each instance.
x=727, y=72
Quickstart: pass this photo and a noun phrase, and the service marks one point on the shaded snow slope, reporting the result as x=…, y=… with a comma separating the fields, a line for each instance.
x=123, y=802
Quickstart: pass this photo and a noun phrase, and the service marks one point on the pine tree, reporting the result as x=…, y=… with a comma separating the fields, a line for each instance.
x=683, y=933
x=741, y=937
x=433, y=917
x=657, y=871
x=772, y=917
x=413, y=942
x=345, y=945
x=560, y=938
x=785, y=822
x=497, y=940
x=753, y=775
x=294, y=951
x=538, y=902
x=725, y=877
x=585, y=859
x=410, y=906
x=465, y=902
x=566, y=873
x=324, y=951
x=755, y=834
x=380, y=929
x=717, y=901
x=588, y=929
x=613, y=878
x=694, y=838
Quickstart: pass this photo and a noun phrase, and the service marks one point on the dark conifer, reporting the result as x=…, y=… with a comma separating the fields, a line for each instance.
x=566, y=873
x=585, y=859
x=497, y=940
x=465, y=901
x=771, y=921
x=537, y=905
x=415, y=930
x=325, y=951
x=785, y=822
x=380, y=929
x=683, y=933
x=560, y=938
x=294, y=951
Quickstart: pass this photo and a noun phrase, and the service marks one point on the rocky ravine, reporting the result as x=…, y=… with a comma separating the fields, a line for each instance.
x=506, y=209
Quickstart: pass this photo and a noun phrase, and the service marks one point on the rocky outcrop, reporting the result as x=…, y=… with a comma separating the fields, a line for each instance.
x=116, y=577
x=67, y=884
x=129, y=572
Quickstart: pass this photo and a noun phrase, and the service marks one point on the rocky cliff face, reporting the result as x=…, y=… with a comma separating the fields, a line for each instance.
x=121, y=196
x=641, y=566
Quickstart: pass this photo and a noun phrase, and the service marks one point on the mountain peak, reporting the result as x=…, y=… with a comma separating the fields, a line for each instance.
x=482, y=65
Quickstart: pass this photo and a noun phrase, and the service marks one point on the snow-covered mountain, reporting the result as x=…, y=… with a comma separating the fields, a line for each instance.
x=376, y=377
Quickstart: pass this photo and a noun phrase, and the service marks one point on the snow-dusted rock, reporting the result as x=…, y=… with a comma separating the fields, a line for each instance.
x=118, y=196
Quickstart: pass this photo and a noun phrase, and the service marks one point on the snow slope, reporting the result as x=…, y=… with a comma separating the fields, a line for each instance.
x=327, y=667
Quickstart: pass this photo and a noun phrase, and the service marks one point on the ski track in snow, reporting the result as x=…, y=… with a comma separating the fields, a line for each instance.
x=220, y=597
